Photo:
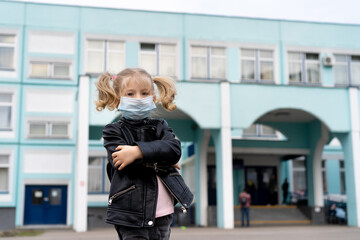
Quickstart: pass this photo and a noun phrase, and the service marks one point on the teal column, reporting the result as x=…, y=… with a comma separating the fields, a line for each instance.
x=318, y=137
x=351, y=200
x=216, y=134
x=224, y=184
x=333, y=176
x=132, y=54
x=310, y=179
x=201, y=194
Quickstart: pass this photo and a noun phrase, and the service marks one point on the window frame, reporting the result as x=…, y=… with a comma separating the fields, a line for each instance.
x=301, y=170
x=104, y=175
x=50, y=69
x=6, y=166
x=11, y=131
x=5, y=196
x=348, y=65
x=304, y=62
x=105, y=50
x=260, y=134
x=49, y=123
x=12, y=73
x=9, y=45
x=158, y=53
x=257, y=64
x=208, y=57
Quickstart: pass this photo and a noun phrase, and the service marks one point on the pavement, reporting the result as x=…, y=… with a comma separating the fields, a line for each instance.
x=327, y=232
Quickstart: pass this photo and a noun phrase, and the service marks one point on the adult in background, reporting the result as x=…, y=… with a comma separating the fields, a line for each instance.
x=245, y=201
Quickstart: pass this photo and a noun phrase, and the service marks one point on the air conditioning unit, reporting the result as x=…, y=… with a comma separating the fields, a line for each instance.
x=328, y=61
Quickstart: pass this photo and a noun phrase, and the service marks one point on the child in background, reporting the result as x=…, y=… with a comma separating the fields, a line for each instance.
x=142, y=154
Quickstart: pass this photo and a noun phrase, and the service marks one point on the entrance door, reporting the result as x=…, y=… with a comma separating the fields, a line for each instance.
x=45, y=204
x=261, y=183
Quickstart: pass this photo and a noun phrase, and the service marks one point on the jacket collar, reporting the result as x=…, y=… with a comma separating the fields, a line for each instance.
x=135, y=122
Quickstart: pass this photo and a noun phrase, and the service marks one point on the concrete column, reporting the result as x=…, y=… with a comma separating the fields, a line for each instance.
x=201, y=177
x=81, y=165
x=319, y=135
x=352, y=162
x=224, y=172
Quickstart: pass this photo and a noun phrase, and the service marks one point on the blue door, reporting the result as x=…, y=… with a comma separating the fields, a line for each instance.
x=45, y=204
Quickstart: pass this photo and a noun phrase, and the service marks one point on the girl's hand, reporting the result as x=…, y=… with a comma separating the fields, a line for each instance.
x=126, y=155
x=177, y=166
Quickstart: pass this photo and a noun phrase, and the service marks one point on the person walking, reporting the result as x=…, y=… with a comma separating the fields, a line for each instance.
x=245, y=201
x=143, y=153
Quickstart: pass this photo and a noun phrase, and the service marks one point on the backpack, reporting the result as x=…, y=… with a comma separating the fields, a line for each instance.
x=243, y=201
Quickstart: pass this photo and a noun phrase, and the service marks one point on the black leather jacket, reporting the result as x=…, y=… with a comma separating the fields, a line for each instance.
x=133, y=192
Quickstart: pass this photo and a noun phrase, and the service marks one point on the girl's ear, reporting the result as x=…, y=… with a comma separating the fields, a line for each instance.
x=155, y=99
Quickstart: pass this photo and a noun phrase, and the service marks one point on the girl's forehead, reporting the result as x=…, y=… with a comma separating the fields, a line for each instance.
x=137, y=83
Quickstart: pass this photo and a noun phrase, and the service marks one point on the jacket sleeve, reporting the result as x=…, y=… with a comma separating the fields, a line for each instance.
x=112, y=138
x=166, y=151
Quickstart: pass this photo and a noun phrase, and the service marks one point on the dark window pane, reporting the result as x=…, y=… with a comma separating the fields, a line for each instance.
x=37, y=196
x=147, y=46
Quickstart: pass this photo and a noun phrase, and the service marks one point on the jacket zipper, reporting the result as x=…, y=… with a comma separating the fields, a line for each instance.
x=120, y=193
x=183, y=209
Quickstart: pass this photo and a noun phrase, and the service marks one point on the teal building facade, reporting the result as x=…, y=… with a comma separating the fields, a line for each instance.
x=259, y=101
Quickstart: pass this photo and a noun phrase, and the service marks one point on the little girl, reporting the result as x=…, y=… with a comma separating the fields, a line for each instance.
x=142, y=154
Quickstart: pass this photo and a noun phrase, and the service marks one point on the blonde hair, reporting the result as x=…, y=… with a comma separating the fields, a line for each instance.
x=110, y=89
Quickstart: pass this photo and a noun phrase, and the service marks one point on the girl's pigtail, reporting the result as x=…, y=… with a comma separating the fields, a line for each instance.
x=167, y=91
x=107, y=96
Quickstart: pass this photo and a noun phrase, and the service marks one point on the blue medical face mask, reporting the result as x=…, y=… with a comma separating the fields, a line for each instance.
x=136, y=109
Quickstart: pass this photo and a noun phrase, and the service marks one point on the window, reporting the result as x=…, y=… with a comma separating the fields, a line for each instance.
x=6, y=111
x=304, y=68
x=259, y=130
x=347, y=70
x=208, y=63
x=48, y=129
x=98, y=182
x=7, y=52
x=299, y=174
x=158, y=59
x=4, y=173
x=105, y=55
x=342, y=177
x=257, y=65
x=54, y=70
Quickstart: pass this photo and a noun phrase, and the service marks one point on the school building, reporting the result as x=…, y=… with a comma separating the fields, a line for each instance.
x=259, y=101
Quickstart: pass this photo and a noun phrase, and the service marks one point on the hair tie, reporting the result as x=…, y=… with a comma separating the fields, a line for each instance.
x=113, y=77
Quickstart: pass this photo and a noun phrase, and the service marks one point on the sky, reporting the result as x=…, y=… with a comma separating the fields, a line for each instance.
x=334, y=11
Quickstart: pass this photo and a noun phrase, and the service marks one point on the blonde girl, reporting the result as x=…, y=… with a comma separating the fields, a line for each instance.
x=142, y=155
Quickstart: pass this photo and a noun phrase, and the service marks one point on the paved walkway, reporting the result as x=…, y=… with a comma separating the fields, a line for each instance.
x=328, y=232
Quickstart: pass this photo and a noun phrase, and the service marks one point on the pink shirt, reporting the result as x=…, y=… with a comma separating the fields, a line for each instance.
x=248, y=199
x=165, y=201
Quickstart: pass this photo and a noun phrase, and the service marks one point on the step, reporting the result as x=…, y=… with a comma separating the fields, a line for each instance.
x=273, y=215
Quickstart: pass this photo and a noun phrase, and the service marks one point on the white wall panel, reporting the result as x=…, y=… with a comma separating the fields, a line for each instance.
x=47, y=161
x=49, y=100
x=51, y=42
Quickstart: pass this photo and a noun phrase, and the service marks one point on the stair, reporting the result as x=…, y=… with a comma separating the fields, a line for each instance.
x=273, y=215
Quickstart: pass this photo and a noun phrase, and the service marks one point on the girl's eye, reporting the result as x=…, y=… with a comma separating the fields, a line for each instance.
x=129, y=94
x=145, y=93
